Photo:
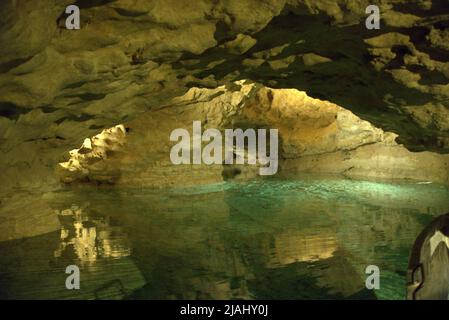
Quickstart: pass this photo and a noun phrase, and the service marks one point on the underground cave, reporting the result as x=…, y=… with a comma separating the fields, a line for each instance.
x=116, y=160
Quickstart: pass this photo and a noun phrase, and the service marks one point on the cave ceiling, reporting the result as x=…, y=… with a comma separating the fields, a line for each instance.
x=58, y=86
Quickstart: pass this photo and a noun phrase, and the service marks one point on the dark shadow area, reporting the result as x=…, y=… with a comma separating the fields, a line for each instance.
x=11, y=111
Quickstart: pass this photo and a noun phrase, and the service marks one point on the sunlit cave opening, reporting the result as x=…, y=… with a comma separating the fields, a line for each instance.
x=345, y=196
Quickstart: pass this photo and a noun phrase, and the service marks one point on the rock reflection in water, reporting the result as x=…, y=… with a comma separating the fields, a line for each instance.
x=91, y=237
x=267, y=239
x=34, y=268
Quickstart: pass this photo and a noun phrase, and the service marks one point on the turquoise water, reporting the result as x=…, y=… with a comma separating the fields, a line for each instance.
x=272, y=239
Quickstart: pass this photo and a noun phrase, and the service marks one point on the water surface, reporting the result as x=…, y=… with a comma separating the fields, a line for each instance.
x=272, y=239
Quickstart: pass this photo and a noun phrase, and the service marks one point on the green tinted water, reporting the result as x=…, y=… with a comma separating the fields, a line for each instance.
x=270, y=239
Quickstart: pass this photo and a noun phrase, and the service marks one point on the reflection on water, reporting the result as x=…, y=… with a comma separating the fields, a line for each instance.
x=90, y=237
x=265, y=239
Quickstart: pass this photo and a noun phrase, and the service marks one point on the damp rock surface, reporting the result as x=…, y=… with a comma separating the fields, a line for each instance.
x=59, y=86
x=315, y=137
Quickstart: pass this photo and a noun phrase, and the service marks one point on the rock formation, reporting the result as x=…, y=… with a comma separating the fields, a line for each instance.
x=315, y=137
x=59, y=86
x=97, y=105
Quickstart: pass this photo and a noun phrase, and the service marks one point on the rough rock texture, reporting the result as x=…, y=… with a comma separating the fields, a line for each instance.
x=88, y=162
x=60, y=86
x=315, y=137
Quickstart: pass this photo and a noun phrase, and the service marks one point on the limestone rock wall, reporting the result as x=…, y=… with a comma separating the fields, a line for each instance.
x=315, y=137
x=59, y=86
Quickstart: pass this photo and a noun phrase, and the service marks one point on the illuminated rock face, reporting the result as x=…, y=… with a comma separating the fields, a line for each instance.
x=89, y=161
x=315, y=137
x=59, y=86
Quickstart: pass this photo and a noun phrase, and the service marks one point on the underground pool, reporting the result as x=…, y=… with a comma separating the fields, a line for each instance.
x=308, y=238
